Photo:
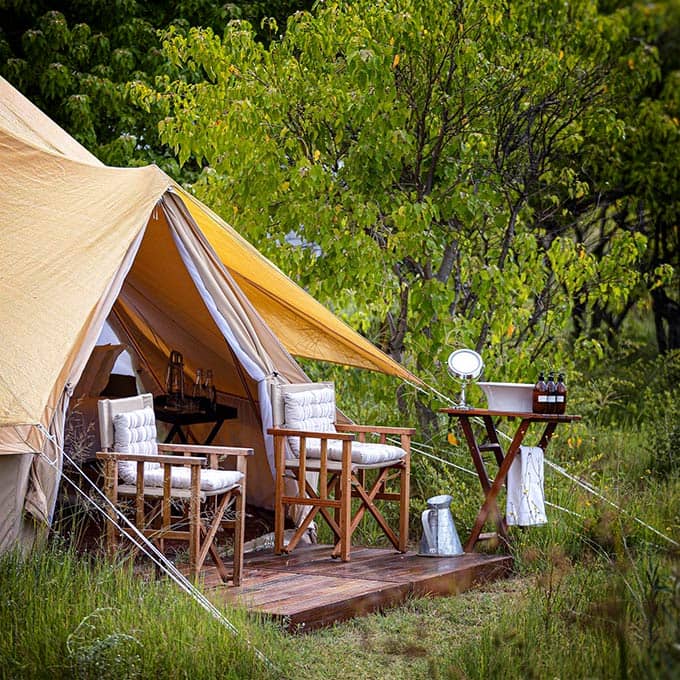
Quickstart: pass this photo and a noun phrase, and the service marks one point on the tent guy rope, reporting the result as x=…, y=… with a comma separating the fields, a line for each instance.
x=419, y=447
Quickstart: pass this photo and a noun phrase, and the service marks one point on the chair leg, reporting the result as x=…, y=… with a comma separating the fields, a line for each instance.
x=345, y=501
x=367, y=504
x=404, y=496
x=336, y=494
x=240, y=522
x=194, y=522
x=111, y=491
x=378, y=491
x=208, y=538
x=279, y=507
x=239, y=530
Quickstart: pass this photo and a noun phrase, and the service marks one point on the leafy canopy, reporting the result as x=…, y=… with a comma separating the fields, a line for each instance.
x=438, y=164
x=74, y=58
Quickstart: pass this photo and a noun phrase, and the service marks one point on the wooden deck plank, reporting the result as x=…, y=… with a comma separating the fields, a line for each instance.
x=333, y=592
x=309, y=589
x=349, y=607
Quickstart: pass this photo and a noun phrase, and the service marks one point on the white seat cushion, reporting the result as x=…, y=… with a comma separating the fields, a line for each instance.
x=363, y=453
x=314, y=411
x=135, y=432
x=367, y=453
x=211, y=480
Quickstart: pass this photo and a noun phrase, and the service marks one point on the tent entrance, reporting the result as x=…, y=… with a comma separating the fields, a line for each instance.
x=178, y=296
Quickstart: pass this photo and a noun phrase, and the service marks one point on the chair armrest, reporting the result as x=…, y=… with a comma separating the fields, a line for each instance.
x=286, y=432
x=374, y=429
x=146, y=458
x=208, y=450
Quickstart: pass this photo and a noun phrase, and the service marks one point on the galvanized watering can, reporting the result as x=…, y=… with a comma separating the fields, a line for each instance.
x=440, y=538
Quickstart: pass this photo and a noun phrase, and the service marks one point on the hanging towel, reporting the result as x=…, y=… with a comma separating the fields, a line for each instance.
x=525, y=505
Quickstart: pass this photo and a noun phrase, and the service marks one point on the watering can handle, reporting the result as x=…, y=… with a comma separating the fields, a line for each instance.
x=429, y=536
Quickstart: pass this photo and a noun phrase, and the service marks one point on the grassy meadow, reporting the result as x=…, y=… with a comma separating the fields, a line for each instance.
x=595, y=594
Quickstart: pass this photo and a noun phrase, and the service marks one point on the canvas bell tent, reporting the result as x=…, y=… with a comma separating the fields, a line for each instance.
x=81, y=243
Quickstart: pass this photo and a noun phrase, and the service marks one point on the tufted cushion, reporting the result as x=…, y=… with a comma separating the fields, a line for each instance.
x=311, y=411
x=135, y=432
x=211, y=480
x=314, y=411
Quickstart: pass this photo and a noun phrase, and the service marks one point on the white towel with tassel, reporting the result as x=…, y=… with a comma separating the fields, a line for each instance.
x=526, y=502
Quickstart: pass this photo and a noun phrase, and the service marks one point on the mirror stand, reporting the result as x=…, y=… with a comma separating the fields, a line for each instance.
x=465, y=365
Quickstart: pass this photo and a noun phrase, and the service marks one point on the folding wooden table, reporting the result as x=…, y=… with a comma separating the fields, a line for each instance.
x=466, y=418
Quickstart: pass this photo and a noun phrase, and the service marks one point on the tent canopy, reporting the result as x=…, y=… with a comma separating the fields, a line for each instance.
x=81, y=242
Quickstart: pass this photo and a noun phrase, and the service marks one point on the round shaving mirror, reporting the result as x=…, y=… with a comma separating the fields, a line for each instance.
x=465, y=365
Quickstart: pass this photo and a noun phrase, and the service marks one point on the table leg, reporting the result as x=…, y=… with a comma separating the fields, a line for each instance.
x=547, y=435
x=213, y=433
x=475, y=453
x=492, y=493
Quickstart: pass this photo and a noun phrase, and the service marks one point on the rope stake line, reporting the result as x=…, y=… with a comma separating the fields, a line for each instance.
x=584, y=485
x=592, y=490
x=474, y=474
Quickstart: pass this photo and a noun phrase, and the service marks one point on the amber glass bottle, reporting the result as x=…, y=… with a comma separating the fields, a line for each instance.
x=550, y=389
x=560, y=395
x=539, y=395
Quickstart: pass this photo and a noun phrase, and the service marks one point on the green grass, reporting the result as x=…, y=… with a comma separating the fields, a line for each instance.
x=66, y=616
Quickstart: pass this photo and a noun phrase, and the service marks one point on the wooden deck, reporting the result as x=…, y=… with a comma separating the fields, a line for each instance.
x=308, y=589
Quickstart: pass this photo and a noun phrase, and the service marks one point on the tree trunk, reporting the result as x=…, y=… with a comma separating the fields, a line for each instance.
x=666, y=320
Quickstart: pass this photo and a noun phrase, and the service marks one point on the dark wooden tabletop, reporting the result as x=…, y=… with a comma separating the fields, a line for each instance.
x=179, y=416
x=538, y=417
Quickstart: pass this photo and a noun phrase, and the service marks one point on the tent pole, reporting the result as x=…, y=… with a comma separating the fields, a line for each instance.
x=135, y=347
x=244, y=382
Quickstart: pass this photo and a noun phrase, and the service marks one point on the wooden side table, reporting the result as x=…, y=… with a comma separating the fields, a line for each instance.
x=503, y=458
x=179, y=418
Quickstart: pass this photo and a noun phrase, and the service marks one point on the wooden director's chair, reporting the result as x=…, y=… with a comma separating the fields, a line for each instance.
x=177, y=495
x=331, y=468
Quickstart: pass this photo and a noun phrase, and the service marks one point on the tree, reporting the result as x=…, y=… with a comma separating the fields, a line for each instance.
x=647, y=165
x=74, y=59
x=632, y=177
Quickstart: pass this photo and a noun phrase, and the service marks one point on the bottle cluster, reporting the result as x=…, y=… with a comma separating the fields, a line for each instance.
x=204, y=388
x=550, y=396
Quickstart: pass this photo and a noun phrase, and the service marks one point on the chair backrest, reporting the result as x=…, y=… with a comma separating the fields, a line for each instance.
x=304, y=406
x=280, y=393
x=109, y=408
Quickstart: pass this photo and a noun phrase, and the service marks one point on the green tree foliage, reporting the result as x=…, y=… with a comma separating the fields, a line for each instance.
x=491, y=174
x=74, y=58
x=446, y=166
x=640, y=179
